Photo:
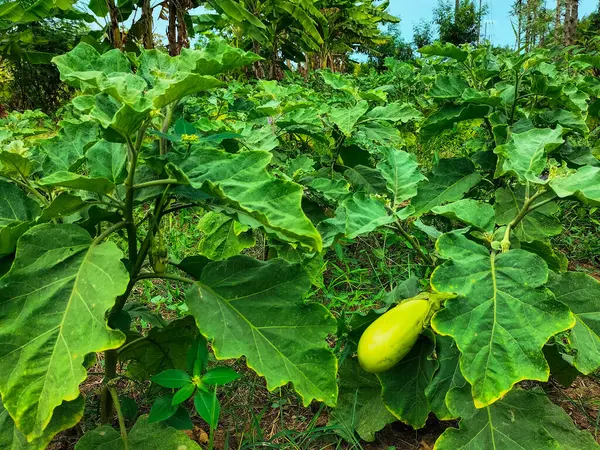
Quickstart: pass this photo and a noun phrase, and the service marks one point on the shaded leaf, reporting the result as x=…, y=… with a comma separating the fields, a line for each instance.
x=446, y=378
x=448, y=182
x=471, y=212
x=223, y=236
x=581, y=293
x=538, y=224
x=403, y=386
x=525, y=154
x=583, y=185
x=66, y=415
x=360, y=407
x=255, y=309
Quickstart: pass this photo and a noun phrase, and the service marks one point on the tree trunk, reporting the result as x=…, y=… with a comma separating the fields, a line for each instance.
x=519, y=7
x=172, y=29
x=259, y=70
x=148, y=37
x=557, y=19
x=456, y=8
x=534, y=30
x=182, y=32
x=177, y=33
x=571, y=18
x=115, y=32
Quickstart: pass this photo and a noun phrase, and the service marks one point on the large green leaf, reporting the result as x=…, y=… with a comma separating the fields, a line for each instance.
x=164, y=348
x=448, y=182
x=448, y=86
x=366, y=179
x=242, y=180
x=66, y=415
x=223, y=236
x=448, y=50
x=346, y=118
x=447, y=377
x=360, y=407
x=581, y=293
x=107, y=160
x=63, y=206
x=525, y=154
x=66, y=150
x=522, y=419
x=16, y=206
x=52, y=313
x=124, y=118
x=538, y=224
x=583, y=185
x=82, y=66
x=255, y=309
x=357, y=215
x=448, y=115
x=217, y=57
x=75, y=181
x=502, y=316
x=403, y=386
x=471, y=212
x=401, y=172
x=395, y=112
x=143, y=436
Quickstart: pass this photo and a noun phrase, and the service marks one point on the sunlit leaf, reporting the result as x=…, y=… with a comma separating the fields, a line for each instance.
x=56, y=294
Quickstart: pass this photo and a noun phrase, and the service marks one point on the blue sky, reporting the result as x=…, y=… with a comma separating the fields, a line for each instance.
x=499, y=28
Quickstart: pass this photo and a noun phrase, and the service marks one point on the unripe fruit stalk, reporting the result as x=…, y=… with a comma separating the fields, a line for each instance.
x=389, y=338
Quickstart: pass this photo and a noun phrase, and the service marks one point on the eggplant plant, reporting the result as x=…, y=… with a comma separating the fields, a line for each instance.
x=109, y=177
x=309, y=167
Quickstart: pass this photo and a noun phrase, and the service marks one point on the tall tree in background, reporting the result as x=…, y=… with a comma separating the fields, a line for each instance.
x=571, y=19
x=350, y=26
x=534, y=23
x=422, y=34
x=458, y=25
x=313, y=33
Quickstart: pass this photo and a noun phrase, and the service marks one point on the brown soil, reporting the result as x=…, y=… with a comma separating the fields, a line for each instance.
x=253, y=415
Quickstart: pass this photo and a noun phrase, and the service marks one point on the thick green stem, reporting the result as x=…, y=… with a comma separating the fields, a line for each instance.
x=129, y=193
x=110, y=356
x=115, y=399
x=514, y=106
x=416, y=245
x=110, y=372
x=165, y=276
x=527, y=207
x=165, y=128
x=156, y=183
x=108, y=232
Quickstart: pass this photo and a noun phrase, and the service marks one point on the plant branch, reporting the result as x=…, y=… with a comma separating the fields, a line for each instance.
x=416, y=245
x=520, y=215
x=109, y=231
x=514, y=105
x=131, y=344
x=129, y=191
x=166, y=276
x=27, y=185
x=156, y=183
x=165, y=128
x=115, y=399
x=178, y=207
